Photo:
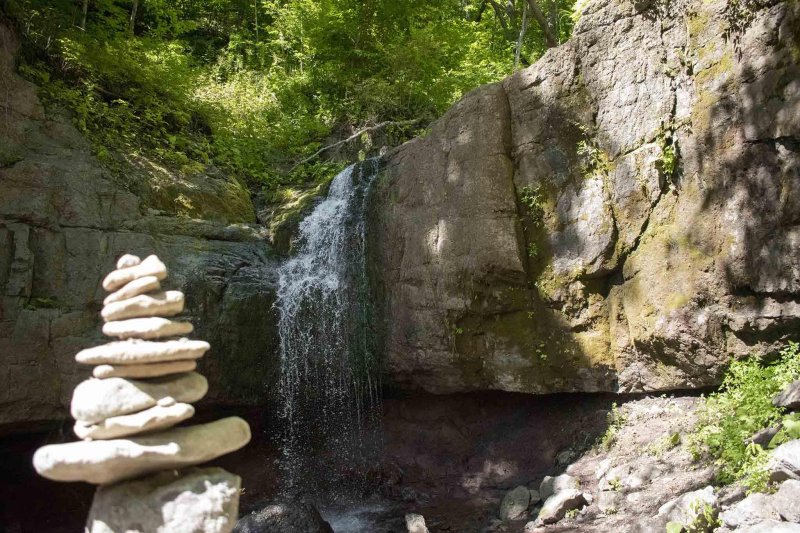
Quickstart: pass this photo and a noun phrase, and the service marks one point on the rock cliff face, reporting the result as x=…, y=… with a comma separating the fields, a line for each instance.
x=624, y=215
x=621, y=216
x=63, y=223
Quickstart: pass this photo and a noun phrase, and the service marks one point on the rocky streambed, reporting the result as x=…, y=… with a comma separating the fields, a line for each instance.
x=481, y=462
x=451, y=459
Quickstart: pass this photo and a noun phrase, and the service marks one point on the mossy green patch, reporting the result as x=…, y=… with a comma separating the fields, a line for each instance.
x=8, y=156
x=199, y=196
x=710, y=85
x=292, y=205
x=697, y=23
x=676, y=300
x=528, y=349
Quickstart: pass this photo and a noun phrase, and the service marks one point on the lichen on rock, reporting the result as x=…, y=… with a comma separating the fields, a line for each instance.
x=664, y=214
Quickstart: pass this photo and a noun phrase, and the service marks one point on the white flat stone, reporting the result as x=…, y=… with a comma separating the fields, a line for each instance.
x=149, y=370
x=134, y=288
x=166, y=303
x=146, y=328
x=133, y=351
x=110, y=461
x=154, y=418
x=128, y=260
x=151, y=266
x=94, y=400
x=195, y=500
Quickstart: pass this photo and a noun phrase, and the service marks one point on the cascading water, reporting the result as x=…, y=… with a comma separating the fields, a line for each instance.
x=329, y=374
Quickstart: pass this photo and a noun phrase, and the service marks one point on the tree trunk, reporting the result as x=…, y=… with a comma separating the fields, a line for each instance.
x=549, y=39
x=479, y=15
x=134, y=8
x=83, y=16
x=255, y=9
x=522, y=30
x=500, y=14
x=554, y=24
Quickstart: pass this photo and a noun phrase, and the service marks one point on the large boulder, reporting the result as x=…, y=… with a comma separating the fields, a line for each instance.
x=789, y=397
x=620, y=216
x=190, y=501
x=752, y=510
x=785, y=462
x=786, y=499
x=515, y=503
x=64, y=220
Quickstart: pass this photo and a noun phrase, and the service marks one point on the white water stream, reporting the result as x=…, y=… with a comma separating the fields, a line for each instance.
x=329, y=376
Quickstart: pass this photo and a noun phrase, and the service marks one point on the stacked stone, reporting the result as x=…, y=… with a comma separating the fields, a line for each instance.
x=143, y=384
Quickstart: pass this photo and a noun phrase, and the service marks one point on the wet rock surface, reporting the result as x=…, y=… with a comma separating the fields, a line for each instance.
x=283, y=517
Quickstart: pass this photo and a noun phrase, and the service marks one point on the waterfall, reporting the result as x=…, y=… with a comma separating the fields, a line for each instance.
x=329, y=377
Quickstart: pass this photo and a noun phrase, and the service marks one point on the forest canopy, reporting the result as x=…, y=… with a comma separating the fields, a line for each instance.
x=255, y=86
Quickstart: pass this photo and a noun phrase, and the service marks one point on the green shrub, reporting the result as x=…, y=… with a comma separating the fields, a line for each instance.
x=741, y=407
x=616, y=419
x=532, y=198
x=255, y=87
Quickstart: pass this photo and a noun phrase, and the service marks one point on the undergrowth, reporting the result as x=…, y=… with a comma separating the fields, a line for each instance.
x=616, y=419
x=741, y=407
x=257, y=88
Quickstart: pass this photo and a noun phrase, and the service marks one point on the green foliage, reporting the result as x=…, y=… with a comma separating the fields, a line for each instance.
x=674, y=527
x=668, y=161
x=739, y=14
x=742, y=407
x=578, y=8
x=705, y=518
x=664, y=444
x=593, y=158
x=541, y=351
x=790, y=430
x=254, y=87
x=616, y=419
x=533, y=200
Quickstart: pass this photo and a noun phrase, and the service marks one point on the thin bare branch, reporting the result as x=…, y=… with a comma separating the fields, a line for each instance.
x=355, y=136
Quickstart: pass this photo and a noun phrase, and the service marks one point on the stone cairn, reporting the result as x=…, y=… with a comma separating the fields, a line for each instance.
x=143, y=384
